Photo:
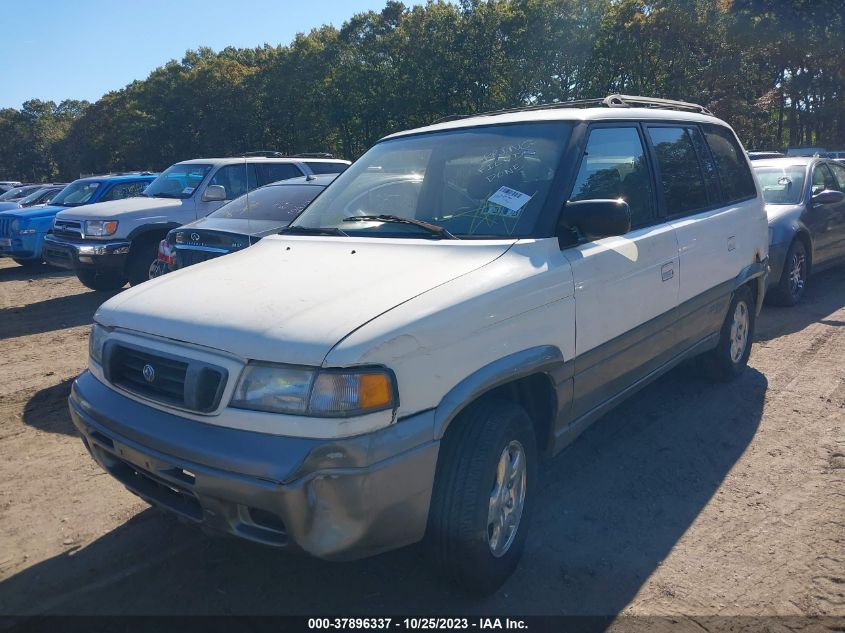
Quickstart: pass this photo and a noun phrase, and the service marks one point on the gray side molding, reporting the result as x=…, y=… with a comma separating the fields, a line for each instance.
x=545, y=358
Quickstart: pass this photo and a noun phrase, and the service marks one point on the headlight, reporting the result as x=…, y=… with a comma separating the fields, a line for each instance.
x=96, y=340
x=319, y=393
x=100, y=228
x=15, y=225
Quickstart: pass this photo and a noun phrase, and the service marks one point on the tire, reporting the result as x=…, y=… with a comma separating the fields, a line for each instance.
x=730, y=357
x=473, y=462
x=28, y=263
x=142, y=254
x=793, y=280
x=96, y=280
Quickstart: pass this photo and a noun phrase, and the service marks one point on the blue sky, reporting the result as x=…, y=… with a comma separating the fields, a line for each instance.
x=81, y=49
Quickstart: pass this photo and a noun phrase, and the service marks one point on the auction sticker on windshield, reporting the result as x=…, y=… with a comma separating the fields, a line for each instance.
x=510, y=199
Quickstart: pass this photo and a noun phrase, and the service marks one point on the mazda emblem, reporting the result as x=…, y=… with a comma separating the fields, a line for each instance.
x=149, y=373
x=195, y=237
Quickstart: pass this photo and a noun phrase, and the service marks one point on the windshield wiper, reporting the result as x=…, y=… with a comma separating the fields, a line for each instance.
x=431, y=228
x=312, y=230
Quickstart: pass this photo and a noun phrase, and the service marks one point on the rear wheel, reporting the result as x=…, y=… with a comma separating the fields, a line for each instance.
x=793, y=279
x=142, y=255
x=730, y=357
x=483, y=494
x=96, y=280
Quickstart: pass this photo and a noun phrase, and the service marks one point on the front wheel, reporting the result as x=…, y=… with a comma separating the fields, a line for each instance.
x=793, y=280
x=28, y=263
x=483, y=494
x=96, y=280
x=142, y=255
x=730, y=357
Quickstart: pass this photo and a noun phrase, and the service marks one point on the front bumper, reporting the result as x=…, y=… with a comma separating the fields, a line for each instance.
x=334, y=499
x=21, y=246
x=85, y=254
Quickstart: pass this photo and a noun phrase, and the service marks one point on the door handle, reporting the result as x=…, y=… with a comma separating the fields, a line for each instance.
x=667, y=271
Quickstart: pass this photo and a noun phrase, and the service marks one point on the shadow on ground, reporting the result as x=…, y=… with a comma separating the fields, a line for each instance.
x=47, y=410
x=610, y=508
x=825, y=294
x=51, y=314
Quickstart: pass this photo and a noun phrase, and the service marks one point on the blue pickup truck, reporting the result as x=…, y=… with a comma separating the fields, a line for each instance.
x=22, y=231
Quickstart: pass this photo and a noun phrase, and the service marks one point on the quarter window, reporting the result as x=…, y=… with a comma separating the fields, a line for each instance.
x=614, y=166
x=681, y=175
x=734, y=173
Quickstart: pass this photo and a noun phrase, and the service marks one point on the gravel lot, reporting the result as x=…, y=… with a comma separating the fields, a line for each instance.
x=690, y=500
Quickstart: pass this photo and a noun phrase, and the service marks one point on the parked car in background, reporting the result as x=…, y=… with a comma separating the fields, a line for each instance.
x=123, y=245
x=805, y=203
x=463, y=299
x=807, y=151
x=21, y=191
x=239, y=223
x=42, y=195
x=22, y=231
x=5, y=185
x=761, y=154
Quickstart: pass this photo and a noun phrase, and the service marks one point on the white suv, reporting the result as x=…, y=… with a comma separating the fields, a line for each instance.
x=465, y=298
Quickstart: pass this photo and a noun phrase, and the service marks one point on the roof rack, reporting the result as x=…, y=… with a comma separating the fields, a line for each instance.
x=119, y=173
x=262, y=153
x=312, y=155
x=610, y=101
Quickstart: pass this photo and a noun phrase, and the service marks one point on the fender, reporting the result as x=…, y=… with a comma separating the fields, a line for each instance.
x=546, y=359
x=156, y=227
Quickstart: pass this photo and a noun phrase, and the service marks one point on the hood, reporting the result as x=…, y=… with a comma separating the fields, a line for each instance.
x=8, y=206
x=291, y=299
x=33, y=213
x=259, y=228
x=128, y=207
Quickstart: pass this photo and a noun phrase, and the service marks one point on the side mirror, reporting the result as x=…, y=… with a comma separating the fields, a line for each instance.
x=828, y=196
x=596, y=219
x=214, y=193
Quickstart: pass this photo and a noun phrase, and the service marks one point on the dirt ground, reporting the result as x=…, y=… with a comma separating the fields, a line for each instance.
x=689, y=500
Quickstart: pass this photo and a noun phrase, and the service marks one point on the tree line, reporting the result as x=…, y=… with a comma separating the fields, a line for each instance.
x=774, y=69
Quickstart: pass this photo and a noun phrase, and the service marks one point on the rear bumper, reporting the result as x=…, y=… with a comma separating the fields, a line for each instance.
x=85, y=254
x=334, y=499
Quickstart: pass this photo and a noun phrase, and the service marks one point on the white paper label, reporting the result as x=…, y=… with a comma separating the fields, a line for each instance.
x=188, y=190
x=511, y=199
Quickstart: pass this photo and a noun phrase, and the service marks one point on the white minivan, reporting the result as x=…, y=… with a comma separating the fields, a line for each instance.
x=466, y=298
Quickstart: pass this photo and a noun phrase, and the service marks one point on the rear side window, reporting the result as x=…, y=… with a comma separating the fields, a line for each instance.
x=125, y=190
x=734, y=173
x=271, y=172
x=327, y=168
x=681, y=175
x=839, y=174
x=614, y=166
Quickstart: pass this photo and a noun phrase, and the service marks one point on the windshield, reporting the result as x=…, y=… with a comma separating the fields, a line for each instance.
x=76, y=194
x=39, y=196
x=781, y=185
x=17, y=193
x=276, y=202
x=485, y=182
x=177, y=181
